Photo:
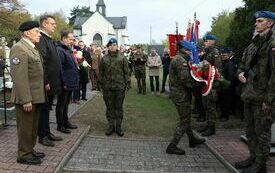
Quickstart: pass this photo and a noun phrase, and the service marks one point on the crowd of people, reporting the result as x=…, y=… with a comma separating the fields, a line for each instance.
x=44, y=70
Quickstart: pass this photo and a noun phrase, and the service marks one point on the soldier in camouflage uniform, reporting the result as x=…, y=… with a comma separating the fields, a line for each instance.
x=257, y=73
x=114, y=80
x=211, y=56
x=182, y=84
x=139, y=60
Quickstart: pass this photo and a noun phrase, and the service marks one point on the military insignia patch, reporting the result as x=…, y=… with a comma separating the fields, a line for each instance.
x=15, y=61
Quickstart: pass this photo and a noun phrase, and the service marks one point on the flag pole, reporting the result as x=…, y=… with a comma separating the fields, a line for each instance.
x=177, y=36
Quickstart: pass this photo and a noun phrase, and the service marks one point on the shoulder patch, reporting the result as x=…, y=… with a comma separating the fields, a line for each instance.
x=15, y=61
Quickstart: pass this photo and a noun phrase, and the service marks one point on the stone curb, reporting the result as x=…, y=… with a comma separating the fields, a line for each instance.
x=71, y=151
x=219, y=156
x=91, y=170
x=82, y=105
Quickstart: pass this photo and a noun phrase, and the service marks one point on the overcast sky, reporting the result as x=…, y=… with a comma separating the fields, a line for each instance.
x=161, y=15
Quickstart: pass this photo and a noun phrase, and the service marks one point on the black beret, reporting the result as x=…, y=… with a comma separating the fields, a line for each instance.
x=28, y=25
x=111, y=41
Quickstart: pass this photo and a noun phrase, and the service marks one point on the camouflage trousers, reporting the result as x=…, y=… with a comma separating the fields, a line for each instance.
x=141, y=80
x=184, y=125
x=258, y=131
x=114, y=105
x=209, y=104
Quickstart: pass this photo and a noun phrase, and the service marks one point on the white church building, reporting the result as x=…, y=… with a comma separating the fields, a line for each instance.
x=98, y=28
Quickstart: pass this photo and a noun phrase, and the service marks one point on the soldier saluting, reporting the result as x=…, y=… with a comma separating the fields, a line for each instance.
x=28, y=91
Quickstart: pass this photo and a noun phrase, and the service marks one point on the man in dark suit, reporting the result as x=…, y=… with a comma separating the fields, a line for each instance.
x=52, y=70
x=28, y=91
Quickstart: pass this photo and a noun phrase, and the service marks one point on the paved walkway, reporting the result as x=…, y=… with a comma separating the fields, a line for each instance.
x=54, y=155
x=114, y=154
x=228, y=145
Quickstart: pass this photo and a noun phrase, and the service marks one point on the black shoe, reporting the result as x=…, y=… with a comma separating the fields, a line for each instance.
x=52, y=137
x=30, y=161
x=110, y=130
x=195, y=141
x=255, y=168
x=201, y=119
x=38, y=154
x=201, y=129
x=46, y=142
x=62, y=129
x=173, y=149
x=245, y=163
x=119, y=131
x=84, y=99
x=209, y=131
x=71, y=126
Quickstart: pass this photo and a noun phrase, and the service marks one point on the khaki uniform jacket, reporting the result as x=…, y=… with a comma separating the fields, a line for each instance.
x=27, y=74
x=95, y=62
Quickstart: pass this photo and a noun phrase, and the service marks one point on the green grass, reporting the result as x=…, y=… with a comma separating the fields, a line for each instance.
x=144, y=115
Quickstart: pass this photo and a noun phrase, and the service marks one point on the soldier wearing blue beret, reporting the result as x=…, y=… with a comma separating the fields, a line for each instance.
x=257, y=73
x=212, y=56
x=182, y=84
x=264, y=14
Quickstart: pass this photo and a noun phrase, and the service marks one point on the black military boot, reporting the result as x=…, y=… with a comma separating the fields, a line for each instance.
x=202, y=129
x=255, y=168
x=193, y=141
x=173, y=149
x=119, y=131
x=110, y=130
x=245, y=163
x=211, y=130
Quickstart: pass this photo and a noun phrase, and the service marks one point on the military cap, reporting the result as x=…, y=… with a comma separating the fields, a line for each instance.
x=264, y=14
x=186, y=45
x=28, y=25
x=210, y=37
x=111, y=41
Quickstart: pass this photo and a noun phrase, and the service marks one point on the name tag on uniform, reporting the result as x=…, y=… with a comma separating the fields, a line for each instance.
x=184, y=64
x=15, y=61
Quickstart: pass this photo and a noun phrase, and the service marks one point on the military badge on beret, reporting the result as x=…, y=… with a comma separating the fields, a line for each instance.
x=15, y=61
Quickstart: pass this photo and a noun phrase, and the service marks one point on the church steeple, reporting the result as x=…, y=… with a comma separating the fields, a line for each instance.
x=101, y=7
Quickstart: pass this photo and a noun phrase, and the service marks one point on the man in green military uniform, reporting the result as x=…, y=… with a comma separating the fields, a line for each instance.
x=114, y=80
x=28, y=91
x=139, y=60
x=182, y=84
x=212, y=56
x=257, y=73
